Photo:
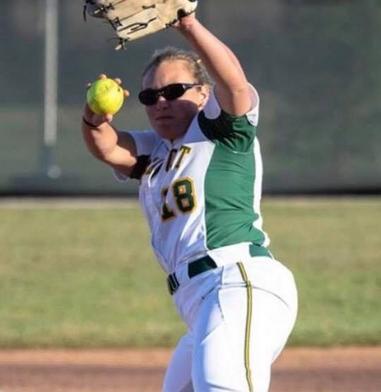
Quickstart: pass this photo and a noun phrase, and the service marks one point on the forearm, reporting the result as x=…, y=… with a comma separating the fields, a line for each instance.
x=100, y=140
x=117, y=149
x=220, y=62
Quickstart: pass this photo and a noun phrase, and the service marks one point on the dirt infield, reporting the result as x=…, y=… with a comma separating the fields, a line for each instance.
x=298, y=370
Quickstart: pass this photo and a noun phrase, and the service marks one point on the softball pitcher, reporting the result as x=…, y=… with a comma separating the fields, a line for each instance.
x=200, y=173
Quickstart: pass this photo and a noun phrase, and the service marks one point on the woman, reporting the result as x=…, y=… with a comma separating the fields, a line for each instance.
x=200, y=177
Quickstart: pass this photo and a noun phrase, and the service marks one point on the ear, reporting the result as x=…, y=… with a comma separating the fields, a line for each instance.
x=204, y=96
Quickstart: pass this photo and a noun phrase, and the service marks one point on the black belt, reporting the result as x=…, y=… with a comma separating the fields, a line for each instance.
x=195, y=267
x=206, y=263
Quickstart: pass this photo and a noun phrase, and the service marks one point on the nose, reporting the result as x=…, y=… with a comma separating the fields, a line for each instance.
x=161, y=102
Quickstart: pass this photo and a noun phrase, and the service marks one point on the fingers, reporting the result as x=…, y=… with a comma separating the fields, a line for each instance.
x=96, y=119
x=104, y=76
x=125, y=92
x=185, y=20
x=100, y=77
x=88, y=113
x=108, y=117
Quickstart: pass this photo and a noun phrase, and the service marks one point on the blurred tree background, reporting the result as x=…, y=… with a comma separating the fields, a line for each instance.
x=315, y=63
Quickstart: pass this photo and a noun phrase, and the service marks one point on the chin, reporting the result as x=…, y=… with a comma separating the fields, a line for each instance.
x=170, y=132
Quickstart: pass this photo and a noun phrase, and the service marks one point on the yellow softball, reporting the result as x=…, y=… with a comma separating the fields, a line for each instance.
x=105, y=96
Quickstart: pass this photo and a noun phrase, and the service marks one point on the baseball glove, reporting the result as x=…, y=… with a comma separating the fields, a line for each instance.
x=132, y=19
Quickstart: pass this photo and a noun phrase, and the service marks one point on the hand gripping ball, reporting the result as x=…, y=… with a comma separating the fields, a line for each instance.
x=105, y=96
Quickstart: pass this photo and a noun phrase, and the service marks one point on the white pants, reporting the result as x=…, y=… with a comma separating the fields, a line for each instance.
x=239, y=317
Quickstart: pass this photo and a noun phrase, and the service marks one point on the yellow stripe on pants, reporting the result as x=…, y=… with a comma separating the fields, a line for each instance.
x=249, y=292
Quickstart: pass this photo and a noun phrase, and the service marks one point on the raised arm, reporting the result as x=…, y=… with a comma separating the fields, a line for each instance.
x=117, y=149
x=232, y=90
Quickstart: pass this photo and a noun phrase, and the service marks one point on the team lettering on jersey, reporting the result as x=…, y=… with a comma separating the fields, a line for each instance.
x=182, y=189
x=175, y=157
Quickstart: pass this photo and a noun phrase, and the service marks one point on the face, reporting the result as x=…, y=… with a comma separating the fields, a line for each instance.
x=171, y=118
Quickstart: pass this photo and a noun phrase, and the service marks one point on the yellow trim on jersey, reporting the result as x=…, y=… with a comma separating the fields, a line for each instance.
x=166, y=212
x=181, y=197
x=249, y=292
x=191, y=196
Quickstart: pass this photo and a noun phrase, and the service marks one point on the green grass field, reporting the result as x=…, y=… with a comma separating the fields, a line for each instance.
x=86, y=277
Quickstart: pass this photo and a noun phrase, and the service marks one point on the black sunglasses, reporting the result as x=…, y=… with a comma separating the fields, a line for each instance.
x=171, y=92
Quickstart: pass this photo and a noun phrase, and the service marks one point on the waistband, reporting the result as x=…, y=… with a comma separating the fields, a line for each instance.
x=207, y=263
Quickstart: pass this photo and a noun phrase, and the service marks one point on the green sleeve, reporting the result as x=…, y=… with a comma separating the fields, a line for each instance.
x=235, y=132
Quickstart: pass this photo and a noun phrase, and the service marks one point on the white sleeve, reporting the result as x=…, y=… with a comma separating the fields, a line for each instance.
x=212, y=108
x=145, y=142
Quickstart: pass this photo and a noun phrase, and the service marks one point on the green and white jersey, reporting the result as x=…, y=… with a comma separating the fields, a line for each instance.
x=201, y=193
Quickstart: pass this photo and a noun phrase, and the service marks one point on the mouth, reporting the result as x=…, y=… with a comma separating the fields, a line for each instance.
x=164, y=118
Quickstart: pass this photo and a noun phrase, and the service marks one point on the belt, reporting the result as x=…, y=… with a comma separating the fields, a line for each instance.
x=206, y=263
x=195, y=267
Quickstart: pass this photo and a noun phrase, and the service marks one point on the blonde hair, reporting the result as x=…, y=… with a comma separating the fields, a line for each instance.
x=195, y=65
